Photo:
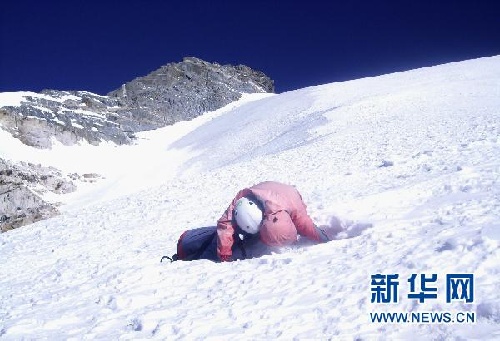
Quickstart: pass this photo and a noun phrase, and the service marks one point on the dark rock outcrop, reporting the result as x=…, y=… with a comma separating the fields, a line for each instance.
x=182, y=91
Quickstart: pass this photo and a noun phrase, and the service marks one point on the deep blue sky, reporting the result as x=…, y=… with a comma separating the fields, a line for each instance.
x=99, y=45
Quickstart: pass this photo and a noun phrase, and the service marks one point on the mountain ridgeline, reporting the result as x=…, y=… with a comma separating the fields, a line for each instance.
x=175, y=92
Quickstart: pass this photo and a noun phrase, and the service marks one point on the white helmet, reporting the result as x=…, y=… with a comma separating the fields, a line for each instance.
x=248, y=215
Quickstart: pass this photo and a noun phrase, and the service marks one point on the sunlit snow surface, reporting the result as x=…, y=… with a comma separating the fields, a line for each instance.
x=406, y=166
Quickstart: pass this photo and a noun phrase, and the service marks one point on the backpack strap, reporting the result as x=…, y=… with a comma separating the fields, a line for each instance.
x=241, y=246
x=171, y=259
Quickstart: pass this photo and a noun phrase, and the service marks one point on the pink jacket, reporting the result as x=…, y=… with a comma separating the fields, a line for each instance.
x=285, y=216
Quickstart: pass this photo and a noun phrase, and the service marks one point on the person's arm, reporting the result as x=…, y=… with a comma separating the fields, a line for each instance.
x=225, y=229
x=304, y=224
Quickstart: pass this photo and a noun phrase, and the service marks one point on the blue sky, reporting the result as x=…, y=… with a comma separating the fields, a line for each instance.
x=99, y=45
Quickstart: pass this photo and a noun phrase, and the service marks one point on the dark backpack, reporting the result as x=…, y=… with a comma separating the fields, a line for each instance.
x=199, y=243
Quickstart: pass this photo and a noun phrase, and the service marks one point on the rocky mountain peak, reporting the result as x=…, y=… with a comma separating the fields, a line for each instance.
x=172, y=93
x=182, y=91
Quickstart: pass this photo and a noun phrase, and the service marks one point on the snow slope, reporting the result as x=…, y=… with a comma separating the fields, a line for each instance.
x=405, y=165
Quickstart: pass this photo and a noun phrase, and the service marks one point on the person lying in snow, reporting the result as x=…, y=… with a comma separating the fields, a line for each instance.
x=271, y=211
x=274, y=211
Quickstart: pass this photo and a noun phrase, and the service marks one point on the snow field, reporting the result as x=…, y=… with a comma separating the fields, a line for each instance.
x=406, y=166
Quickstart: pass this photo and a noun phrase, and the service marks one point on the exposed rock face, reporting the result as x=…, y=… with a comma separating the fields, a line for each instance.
x=173, y=93
x=22, y=187
x=182, y=91
x=67, y=117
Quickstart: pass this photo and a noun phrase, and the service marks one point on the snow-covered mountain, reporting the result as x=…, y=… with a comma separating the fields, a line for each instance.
x=405, y=165
x=173, y=93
